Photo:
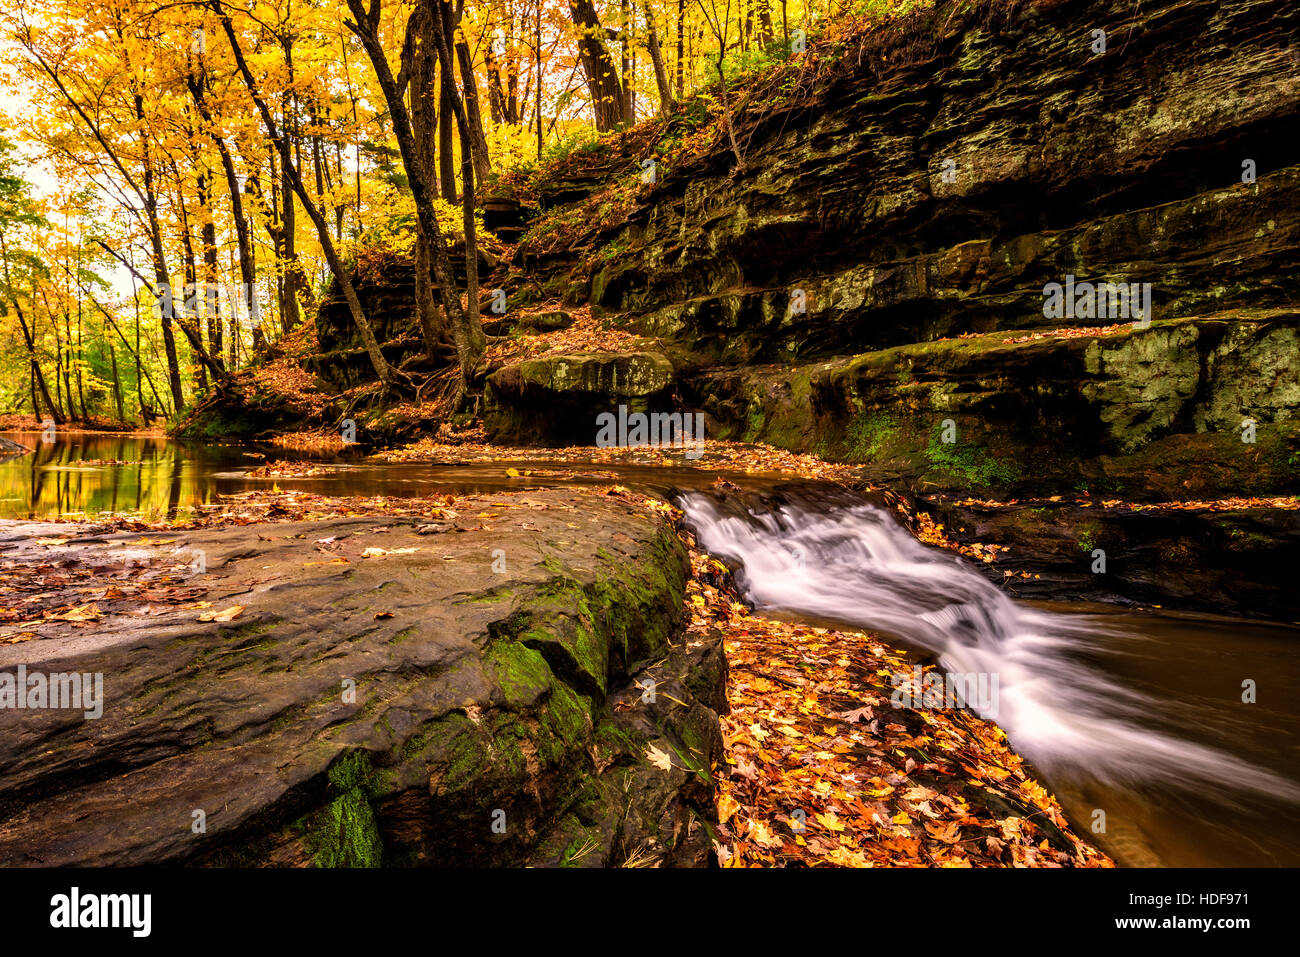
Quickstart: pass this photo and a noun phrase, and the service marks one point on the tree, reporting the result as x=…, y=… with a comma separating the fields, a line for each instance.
x=466, y=330
x=608, y=97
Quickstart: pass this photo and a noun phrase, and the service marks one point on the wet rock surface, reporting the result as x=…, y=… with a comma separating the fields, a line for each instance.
x=393, y=692
x=1236, y=561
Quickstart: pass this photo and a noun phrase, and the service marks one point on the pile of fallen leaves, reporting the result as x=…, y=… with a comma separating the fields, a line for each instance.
x=56, y=588
x=324, y=441
x=1286, y=502
x=287, y=378
x=1077, y=332
x=821, y=769
x=291, y=470
x=930, y=532
x=60, y=582
x=712, y=455
x=587, y=334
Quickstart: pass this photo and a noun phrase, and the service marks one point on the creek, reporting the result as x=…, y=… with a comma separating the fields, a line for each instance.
x=1137, y=713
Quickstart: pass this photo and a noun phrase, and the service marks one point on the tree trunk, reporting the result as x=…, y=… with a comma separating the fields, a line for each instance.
x=421, y=69
x=666, y=101
x=478, y=138
x=34, y=364
x=117, y=383
x=247, y=273
x=446, y=156
x=598, y=66
x=341, y=274
x=466, y=331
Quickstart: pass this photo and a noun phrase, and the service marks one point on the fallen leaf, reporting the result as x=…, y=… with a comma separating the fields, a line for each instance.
x=658, y=758
x=226, y=614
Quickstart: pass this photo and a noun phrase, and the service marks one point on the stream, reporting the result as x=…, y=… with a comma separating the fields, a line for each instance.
x=1134, y=712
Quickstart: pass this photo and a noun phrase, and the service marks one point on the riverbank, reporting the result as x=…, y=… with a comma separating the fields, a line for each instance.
x=276, y=565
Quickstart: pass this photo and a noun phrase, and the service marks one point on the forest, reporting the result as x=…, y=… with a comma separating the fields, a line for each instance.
x=184, y=183
x=712, y=434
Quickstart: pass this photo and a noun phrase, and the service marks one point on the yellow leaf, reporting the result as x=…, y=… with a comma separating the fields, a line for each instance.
x=89, y=612
x=830, y=821
x=727, y=806
x=226, y=614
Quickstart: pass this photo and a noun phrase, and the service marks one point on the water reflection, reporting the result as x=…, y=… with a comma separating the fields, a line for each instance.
x=79, y=476
x=85, y=474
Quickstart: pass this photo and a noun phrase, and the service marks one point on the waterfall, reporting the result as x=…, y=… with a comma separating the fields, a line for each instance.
x=834, y=557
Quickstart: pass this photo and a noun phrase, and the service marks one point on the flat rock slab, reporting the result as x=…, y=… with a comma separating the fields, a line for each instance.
x=394, y=691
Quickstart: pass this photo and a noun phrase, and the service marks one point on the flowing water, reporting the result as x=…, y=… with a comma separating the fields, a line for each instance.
x=1137, y=715
x=1134, y=713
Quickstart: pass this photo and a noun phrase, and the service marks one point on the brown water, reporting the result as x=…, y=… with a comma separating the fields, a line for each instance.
x=1193, y=667
x=1134, y=719
x=1185, y=670
x=72, y=478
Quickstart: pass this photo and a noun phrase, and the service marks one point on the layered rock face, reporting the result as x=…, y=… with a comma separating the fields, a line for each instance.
x=1186, y=408
x=558, y=399
x=473, y=692
x=939, y=197
x=885, y=262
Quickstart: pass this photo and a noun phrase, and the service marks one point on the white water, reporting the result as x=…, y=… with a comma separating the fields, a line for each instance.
x=854, y=563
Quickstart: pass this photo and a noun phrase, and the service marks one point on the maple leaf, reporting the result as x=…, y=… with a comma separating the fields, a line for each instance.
x=948, y=833
x=659, y=758
x=830, y=821
x=857, y=714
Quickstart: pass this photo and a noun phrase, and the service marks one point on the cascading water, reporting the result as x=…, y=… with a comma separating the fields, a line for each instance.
x=822, y=555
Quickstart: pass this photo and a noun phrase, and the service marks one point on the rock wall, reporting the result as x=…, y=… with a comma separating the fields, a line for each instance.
x=1187, y=408
x=916, y=200
x=880, y=265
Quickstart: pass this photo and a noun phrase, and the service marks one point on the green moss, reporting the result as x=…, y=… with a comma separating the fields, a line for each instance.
x=580, y=847
x=521, y=672
x=345, y=832
x=488, y=597
x=867, y=435
x=969, y=464
x=567, y=715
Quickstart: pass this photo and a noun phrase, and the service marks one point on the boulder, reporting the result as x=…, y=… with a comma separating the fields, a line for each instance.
x=473, y=693
x=555, y=400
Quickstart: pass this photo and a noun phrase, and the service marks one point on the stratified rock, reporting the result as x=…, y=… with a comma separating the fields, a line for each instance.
x=468, y=696
x=1159, y=412
x=555, y=400
x=936, y=192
